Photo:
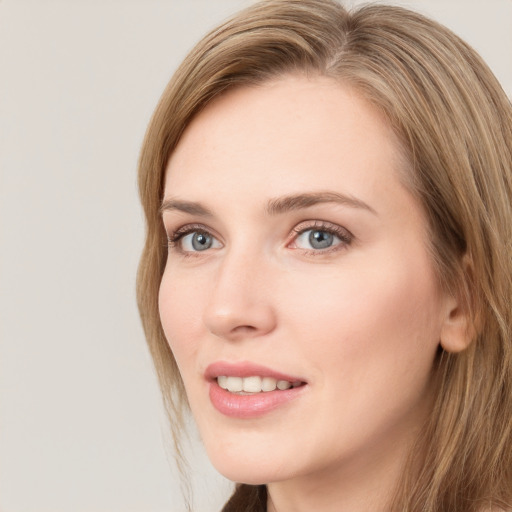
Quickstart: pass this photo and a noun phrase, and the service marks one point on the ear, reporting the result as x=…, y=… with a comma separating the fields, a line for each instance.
x=458, y=328
x=456, y=331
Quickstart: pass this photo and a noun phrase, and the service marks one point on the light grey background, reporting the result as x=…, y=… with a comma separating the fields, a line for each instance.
x=81, y=427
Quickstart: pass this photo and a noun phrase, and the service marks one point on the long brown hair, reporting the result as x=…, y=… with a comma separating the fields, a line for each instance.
x=455, y=123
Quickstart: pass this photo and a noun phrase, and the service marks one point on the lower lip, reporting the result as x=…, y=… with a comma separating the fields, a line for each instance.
x=250, y=406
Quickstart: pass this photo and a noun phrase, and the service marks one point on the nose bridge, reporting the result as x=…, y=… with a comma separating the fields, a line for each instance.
x=240, y=304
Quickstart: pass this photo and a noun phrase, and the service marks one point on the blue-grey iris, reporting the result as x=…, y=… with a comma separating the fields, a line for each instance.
x=201, y=241
x=320, y=239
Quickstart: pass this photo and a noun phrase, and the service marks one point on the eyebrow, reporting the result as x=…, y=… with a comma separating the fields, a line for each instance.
x=185, y=206
x=275, y=206
x=300, y=201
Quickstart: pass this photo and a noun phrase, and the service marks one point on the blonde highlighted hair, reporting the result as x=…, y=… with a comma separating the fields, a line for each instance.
x=455, y=124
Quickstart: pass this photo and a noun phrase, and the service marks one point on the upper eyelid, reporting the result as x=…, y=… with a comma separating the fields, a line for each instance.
x=190, y=228
x=299, y=227
x=322, y=225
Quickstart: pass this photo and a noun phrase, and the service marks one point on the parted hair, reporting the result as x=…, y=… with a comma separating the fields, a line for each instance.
x=454, y=123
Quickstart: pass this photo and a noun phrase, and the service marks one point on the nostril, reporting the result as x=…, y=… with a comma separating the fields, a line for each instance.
x=244, y=328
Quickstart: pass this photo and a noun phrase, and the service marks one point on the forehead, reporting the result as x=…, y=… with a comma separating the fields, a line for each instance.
x=293, y=127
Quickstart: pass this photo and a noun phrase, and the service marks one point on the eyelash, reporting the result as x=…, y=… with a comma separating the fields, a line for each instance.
x=345, y=237
x=341, y=233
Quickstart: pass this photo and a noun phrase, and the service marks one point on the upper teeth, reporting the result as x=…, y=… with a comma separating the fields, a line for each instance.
x=253, y=384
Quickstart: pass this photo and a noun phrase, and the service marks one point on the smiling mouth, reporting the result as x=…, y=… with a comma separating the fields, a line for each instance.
x=245, y=390
x=255, y=384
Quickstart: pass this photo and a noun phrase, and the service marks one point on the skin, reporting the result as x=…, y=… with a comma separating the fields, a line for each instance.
x=360, y=321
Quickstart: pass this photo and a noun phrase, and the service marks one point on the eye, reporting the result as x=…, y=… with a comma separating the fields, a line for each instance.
x=192, y=240
x=316, y=239
x=320, y=237
x=197, y=241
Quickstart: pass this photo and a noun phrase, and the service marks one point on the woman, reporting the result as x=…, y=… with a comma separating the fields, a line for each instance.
x=326, y=279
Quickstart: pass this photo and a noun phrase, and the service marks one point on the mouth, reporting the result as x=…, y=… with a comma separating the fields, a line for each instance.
x=245, y=390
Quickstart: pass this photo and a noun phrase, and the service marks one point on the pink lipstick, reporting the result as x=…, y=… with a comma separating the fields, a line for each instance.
x=245, y=390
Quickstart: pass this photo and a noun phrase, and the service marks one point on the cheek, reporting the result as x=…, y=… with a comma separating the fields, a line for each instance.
x=180, y=304
x=376, y=319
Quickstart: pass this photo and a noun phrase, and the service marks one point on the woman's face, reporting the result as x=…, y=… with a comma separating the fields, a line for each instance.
x=297, y=258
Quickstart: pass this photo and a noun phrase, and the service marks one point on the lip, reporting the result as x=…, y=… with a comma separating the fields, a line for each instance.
x=246, y=369
x=254, y=405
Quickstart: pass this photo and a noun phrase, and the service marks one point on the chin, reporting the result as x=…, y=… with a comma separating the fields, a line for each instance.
x=242, y=467
x=243, y=473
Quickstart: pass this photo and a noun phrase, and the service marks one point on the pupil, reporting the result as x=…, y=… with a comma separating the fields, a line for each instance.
x=201, y=241
x=320, y=239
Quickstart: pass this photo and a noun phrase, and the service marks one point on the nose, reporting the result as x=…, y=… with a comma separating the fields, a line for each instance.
x=240, y=305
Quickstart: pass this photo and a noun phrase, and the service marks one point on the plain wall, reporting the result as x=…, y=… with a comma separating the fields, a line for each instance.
x=81, y=426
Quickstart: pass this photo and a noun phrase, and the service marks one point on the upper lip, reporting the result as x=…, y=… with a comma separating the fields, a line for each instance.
x=246, y=369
